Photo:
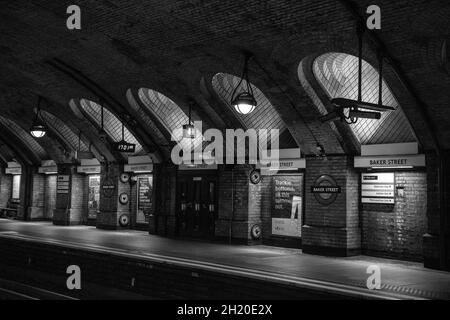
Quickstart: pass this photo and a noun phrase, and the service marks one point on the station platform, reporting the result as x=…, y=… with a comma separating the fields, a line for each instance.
x=341, y=276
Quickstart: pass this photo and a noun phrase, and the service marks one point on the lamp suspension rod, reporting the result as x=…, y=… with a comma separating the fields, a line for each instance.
x=360, y=44
x=102, y=115
x=380, y=77
x=79, y=139
x=190, y=106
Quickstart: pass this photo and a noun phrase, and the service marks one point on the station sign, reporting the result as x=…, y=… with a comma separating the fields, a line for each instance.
x=378, y=188
x=416, y=160
x=48, y=169
x=89, y=169
x=123, y=146
x=283, y=164
x=327, y=189
x=108, y=188
x=199, y=166
x=17, y=170
x=143, y=167
x=13, y=168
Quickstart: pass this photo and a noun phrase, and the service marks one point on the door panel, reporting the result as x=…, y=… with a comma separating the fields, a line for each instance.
x=196, y=206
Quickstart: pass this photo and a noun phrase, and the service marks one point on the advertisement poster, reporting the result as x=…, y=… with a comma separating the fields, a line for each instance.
x=144, y=201
x=287, y=205
x=94, y=196
x=16, y=186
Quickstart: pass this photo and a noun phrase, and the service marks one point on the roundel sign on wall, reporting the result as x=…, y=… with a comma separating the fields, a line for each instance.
x=124, y=177
x=255, y=176
x=108, y=188
x=124, y=220
x=325, y=190
x=123, y=198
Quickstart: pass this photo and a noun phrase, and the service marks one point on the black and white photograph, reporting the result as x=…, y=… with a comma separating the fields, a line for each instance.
x=214, y=159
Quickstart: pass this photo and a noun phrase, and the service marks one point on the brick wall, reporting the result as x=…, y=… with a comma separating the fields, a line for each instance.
x=36, y=208
x=5, y=189
x=69, y=206
x=331, y=229
x=238, y=201
x=266, y=207
x=78, y=202
x=397, y=230
x=164, y=195
x=50, y=196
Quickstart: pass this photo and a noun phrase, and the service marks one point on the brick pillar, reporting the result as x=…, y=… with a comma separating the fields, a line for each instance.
x=69, y=196
x=36, y=208
x=110, y=188
x=332, y=229
x=5, y=188
x=163, y=221
x=436, y=246
x=50, y=196
x=239, y=204
x=26, y=179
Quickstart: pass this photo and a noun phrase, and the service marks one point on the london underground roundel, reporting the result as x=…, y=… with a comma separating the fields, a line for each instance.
x=124, y=220
x=123, y=198
x=325, y=190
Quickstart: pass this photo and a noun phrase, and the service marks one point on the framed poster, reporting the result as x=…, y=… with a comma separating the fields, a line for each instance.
x=287, y=205
x=144, y=198
x=94, y=196
x=16, y=187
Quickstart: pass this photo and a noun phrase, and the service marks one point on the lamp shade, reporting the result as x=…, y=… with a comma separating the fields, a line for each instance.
x=244, y=103
x=38, y=130
x=188, y=131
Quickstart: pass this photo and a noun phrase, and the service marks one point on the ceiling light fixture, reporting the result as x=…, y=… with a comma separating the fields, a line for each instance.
x=38, y=128
x=244, y=102
x=189, y=129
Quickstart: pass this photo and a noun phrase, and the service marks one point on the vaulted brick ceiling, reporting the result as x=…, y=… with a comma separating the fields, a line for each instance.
x=170, y=46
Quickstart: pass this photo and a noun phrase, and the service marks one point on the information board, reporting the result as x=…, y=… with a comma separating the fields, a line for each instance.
x=62, y=184
x=94, y=196
x=377, y=188
x=287, y=198
x=144, y=198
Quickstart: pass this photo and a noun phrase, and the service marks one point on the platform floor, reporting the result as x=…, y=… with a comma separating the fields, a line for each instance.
x=399, y=279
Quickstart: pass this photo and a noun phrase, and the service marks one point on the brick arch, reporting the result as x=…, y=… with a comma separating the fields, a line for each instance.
x=100, y=150
x=287, y=55
x=265, y=115
x=26, y=140
x=6, y=154
x=168, y=113
x=152, y=125
x=64, y=132
x=337, y=74
x=112, y=124
x=22, y=153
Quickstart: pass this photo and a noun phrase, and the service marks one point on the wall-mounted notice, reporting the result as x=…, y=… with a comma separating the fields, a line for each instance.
x=94, y=196
x=62, y=184
x=287, y=205
x=144, y=200
x=377, y=188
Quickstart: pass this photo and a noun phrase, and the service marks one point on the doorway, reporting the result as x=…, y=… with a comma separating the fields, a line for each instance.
x=196, y=205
